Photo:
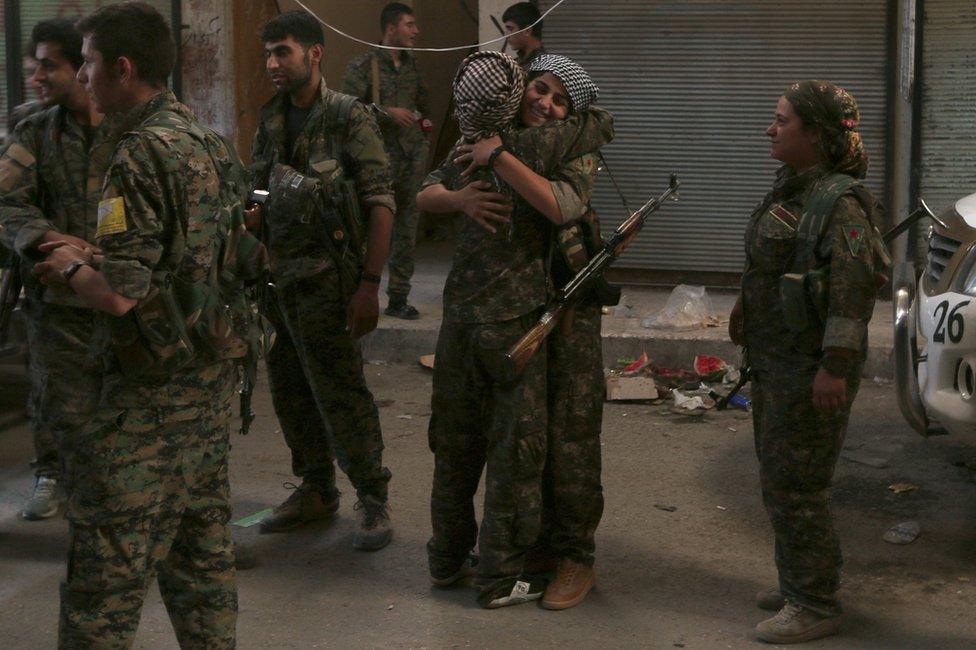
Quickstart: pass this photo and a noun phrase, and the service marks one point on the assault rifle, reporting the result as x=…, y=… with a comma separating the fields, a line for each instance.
x=9, y=294
x=522, y=351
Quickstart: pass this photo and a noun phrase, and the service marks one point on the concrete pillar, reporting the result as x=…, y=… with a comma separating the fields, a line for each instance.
x=207, y=62
x=899, y=202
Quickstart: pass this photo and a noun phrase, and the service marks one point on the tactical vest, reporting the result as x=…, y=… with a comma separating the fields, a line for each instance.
x=184, y=324
x=804, y=288
x=312, y=220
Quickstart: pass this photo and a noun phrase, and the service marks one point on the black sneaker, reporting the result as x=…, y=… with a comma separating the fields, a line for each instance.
x=398, y=308
x=513, y=592
x=449, y=578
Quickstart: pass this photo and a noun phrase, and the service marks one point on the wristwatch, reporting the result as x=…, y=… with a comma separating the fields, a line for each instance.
x=72, y=268
x=499, y=150
x=365, y=276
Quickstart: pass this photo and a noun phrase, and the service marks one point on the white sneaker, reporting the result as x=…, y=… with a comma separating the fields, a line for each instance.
x=46, y=500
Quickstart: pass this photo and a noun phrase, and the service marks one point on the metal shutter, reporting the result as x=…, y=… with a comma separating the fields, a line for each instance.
x=948, y=126
x=693, y=85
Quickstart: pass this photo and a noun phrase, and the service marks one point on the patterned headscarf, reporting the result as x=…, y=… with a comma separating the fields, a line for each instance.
x=488, y=90
x=582, y=91
x=833, y=113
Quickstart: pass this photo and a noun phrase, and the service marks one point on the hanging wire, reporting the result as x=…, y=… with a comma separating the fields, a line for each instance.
x=427, y=49
x=613, y=180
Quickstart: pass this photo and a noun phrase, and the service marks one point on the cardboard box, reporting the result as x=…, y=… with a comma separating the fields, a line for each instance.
x=630, y=388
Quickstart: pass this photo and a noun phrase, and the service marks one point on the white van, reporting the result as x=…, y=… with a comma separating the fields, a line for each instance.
x=935, y=328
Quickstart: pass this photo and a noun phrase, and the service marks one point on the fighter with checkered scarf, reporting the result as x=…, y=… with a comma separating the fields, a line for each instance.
x=514, y=184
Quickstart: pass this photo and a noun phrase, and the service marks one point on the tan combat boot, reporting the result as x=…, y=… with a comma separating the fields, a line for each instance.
x=304, y=505
x=570, y=586
x=770, y=599
x=375, y=529
x=797, y=624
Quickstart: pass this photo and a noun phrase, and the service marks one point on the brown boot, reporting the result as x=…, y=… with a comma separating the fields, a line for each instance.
x=770, y=599
x=305, y=504
x=570, y=586
x=796, y=624
x=375, y=529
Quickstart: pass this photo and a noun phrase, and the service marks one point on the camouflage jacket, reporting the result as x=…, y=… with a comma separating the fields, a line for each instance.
x=402, y=87
x=499, y=276
x=362, y=158
x=18, y=114
x=161, y=192
x=844, y=251
x=51, y=179
x=526, y=61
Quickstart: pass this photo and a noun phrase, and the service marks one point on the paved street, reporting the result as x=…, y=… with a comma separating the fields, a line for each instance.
x=665, y=579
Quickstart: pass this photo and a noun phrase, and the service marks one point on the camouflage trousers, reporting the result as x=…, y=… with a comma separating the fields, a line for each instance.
x=325, y=409
x=408, y=171
x=480, y=418
x=572, y=491
x=65, y=379
x=150, y=498
x=798, y=450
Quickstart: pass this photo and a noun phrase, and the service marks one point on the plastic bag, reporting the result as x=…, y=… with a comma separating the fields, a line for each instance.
x=688, y=307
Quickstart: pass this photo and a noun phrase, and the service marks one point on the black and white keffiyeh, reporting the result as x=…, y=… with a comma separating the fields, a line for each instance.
x=488, y=90
x=582, y=91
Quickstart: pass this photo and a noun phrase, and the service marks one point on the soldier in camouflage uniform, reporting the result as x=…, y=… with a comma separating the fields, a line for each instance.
x=481, y=415
x=805, y=379
x=391, y=80
x=325, y=409
x=150, y=492
x=51, y=184
x=572, y=488
x=527, y=44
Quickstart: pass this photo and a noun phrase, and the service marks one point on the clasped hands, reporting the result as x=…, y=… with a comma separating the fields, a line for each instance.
x=61, y=250
x=485, y=207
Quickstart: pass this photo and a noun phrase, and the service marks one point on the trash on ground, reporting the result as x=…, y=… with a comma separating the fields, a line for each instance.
x=404, y=416
x=864, y=459
x=732, y=429
x=427, y=361
x=710, y=369
x=898, y=488
x=688, y=307
x=687, y=402
x=666, y=508
x=904, y=533
x=721, y=507
x=377, y=362
x=251, y=520
x=732, y=375
x=881, y=381
x=622, y=311
x=636, y=366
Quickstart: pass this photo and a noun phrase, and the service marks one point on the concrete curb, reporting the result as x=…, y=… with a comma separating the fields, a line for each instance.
x=394, y=343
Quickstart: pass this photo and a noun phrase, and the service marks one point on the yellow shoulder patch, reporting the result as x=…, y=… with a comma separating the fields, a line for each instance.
x=21, y=154
x=111, y=217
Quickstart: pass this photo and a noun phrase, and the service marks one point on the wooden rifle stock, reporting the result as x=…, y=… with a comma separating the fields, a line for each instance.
x=520, y=353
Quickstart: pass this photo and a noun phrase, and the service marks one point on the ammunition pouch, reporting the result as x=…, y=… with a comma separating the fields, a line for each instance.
x=804, y=297
x=309, y=219
x=179, y=323
x=152, y=340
